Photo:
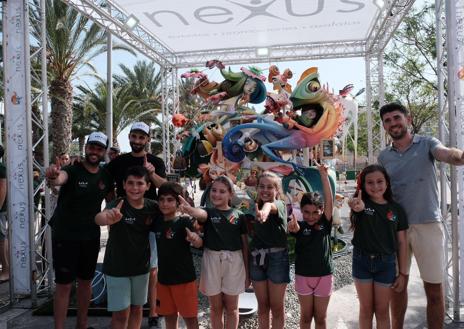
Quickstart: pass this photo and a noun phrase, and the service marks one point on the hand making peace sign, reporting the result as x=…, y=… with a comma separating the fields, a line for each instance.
x=114, y=215
x=356, y=203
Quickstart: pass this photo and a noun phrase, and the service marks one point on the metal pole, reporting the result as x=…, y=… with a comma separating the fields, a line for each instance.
x=109, y=88
x=452, y=69
x=370, y=146
x=46, y=154
x=30, y=166
x=381, y=96
x=442, y=134
x=163, y=114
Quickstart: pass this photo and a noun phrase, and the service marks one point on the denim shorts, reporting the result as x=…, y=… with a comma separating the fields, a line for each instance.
x=275, y=267
x=377, y=268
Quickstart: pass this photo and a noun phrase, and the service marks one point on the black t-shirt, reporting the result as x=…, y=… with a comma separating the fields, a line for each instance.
x=223, y=229
x=80, y=199
x=273, y=232
x=175, y=263
x=313, y=248
x=128, y=248
x=376, y=227
x=118, y=167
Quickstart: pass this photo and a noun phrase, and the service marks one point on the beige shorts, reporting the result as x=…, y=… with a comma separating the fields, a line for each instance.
x=222, y=271
x=427, y=243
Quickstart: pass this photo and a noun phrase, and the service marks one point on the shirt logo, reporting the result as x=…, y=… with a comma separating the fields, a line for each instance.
x=129, y=220
x=101, y=185
x=307, y=231
x=391, y=216
x=82, y=184
x=369, y=211
x=169, y=234
x=233, y=220
x=215, y=219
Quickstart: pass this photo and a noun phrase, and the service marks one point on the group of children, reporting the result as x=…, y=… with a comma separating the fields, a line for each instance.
x=239, y=250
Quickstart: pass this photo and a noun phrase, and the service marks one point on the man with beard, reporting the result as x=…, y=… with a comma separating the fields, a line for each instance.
x=410, y=162
x=75, y=235
x=139, y=137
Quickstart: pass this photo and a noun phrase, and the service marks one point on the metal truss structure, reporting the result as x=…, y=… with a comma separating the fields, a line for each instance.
x=443, y=132
x=455, y=91
x=375, y=98
x=115, y=21
x=43, y=274
x=170, y=106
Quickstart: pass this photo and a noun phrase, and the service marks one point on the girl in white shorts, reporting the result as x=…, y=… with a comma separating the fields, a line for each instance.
x=224, y=273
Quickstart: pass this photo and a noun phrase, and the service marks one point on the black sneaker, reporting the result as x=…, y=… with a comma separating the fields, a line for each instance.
x=153, y=322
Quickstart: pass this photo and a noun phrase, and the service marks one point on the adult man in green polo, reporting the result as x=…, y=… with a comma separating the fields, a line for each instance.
x=75, y=236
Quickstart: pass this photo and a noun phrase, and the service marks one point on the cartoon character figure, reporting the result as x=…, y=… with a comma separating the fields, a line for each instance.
x=280, y=81
x=272, y=136
x=240, y=88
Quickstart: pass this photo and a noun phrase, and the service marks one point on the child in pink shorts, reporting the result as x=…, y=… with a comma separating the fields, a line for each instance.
x=313, y=263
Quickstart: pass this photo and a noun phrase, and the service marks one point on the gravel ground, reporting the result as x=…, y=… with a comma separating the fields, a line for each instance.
x=342, y=277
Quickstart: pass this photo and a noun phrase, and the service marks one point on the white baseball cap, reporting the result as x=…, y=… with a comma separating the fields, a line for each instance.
x=142, y=126
x=98, y=138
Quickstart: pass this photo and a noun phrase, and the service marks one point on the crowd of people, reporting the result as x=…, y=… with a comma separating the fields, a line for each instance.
x=394, y=214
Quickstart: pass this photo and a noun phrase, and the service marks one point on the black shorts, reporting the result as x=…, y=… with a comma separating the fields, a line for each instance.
x=74, y=259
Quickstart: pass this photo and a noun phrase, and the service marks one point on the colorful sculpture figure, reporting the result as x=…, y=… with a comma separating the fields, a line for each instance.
x=320, y=118
x=239, y=89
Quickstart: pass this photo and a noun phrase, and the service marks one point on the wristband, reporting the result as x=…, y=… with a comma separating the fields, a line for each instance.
x=401, y=273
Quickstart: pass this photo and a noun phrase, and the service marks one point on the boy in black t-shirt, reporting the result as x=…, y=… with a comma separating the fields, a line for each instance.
x=176, y=288
x=127, y=256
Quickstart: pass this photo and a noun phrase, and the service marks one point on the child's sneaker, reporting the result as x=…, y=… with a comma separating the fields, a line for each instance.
x=154, y=322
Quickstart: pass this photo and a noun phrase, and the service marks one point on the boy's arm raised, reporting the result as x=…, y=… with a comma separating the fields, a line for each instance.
x=109, y=216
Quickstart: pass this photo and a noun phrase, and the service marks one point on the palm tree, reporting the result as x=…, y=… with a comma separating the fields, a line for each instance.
x=142, y=80
x=72, y=41
x=127, y=108
x=189, y=104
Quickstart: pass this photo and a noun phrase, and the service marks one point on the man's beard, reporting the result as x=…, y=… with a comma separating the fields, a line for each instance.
x=398, y=135
x=137, y=148
x=93, y=163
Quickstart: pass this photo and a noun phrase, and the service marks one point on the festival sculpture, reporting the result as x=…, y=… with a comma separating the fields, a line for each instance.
x=228, y=136
x=316, y=114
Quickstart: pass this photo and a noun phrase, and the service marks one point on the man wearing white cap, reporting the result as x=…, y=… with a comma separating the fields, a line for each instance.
x=139, y=137
x=75, y=235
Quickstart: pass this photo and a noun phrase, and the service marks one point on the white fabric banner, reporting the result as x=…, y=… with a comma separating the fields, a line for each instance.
x=200, y=25
x=16, y=62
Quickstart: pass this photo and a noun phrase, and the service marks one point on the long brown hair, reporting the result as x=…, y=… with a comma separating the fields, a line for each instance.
x=361, y=186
